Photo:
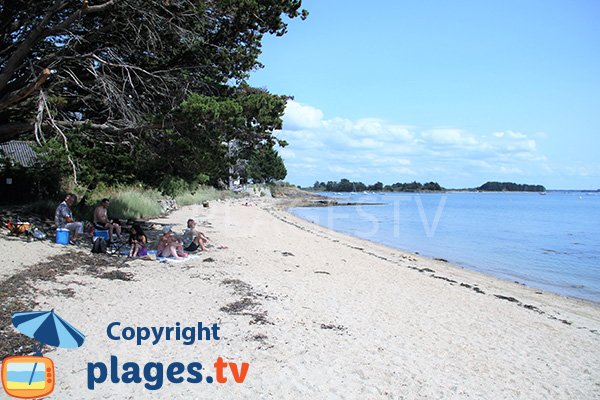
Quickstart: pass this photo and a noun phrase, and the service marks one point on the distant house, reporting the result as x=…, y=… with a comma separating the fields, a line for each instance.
x=16, y=160
x=19, y=153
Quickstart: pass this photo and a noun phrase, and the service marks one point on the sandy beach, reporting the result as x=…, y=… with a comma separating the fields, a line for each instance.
x=315, y=314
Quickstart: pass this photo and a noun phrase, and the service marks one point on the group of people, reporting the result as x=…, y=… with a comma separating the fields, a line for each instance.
x=169, y=245
x=63, y=218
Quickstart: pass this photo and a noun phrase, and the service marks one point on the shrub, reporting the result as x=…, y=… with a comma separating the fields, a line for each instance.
x=43, y=208
x=174, y=186
x=128, y=201
x=135, y=204
x=203, y=193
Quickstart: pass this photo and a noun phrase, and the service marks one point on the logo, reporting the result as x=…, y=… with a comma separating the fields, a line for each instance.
x=27, y=377
x=31, y=377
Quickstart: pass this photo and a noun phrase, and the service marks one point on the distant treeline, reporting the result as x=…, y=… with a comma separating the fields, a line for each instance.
x=345, y=185
x=510, y=187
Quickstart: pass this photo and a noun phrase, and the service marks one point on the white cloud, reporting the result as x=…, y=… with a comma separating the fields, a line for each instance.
x=299, y=116
x=516, y=135
x=372, y=149
x=450, y=136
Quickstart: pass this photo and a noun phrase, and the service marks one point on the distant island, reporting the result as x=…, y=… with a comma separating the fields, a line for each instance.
x=509, y=187
x=346, y=186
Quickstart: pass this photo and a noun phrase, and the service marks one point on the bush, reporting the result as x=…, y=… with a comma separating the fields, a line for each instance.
x=174, y=186
x=128, y=201
x=203, y=193
x=135, y=204
x=43, y=208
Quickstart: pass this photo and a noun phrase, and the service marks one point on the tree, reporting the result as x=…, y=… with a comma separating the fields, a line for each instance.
x=266, y=165
x=116, y=72
x=376, y=187
x=116, y=63
x=432, y=187
x=510, y=187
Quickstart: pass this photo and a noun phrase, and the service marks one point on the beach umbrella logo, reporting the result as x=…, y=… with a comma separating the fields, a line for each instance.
x=30, y=377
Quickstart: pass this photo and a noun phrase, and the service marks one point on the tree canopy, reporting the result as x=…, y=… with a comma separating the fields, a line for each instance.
x=510, y=187
x=344, y=185
x=265, y=166
x=117, y=82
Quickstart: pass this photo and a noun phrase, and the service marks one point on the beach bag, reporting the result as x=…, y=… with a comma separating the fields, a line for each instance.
x=38, y=234
x=99, y=246
x=18, y=228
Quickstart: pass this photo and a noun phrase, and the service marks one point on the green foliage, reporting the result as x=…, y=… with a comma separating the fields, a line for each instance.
x=510, y=187
x=131, y=201
x=157, y=97
x=222, y=130
x=266, y=165
x=344, y=185
x=173, y=186
x=135, y=203
x=95, y=162
x=139, y=58
x=200, y=195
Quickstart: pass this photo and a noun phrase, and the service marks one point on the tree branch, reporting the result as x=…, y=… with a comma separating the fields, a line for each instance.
x=24, y=48
x=39, y=32
x=15, y=97
x=80, y=13
x=12, y=130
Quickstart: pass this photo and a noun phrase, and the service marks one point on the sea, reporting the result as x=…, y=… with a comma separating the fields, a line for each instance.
x=549, y=241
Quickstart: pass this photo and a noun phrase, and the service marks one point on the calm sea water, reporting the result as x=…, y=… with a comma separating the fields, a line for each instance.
x=551, y=241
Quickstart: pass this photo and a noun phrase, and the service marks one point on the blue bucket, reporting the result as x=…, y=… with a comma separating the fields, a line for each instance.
x=62, y=236
x=100, y=234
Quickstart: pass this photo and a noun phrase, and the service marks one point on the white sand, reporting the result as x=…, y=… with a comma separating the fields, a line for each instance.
x=344, y=318
x=16, y=253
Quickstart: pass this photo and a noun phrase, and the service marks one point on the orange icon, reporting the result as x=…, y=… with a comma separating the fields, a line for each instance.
x=28, y=377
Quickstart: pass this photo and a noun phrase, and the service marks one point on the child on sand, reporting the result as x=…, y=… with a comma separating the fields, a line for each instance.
x=138, y=242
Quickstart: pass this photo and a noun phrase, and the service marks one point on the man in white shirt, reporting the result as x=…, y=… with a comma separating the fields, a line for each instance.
x=63, y=218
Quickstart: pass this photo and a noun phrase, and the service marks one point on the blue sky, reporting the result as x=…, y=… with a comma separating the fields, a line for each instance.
x=458, y=92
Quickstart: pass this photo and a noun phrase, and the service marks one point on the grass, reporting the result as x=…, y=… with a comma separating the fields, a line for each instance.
x=202, y=194
x=130, y=202
x=135, y=204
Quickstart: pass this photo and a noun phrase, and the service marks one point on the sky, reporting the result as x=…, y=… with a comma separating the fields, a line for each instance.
x=458, y=92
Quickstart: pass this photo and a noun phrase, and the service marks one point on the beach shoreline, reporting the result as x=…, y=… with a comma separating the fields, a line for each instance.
x=519, y=242
x=320, y=313
x=434, y=258
x=454, y=270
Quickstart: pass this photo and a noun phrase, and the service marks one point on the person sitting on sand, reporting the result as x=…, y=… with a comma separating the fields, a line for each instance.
x=169, y=245
x=63, y=218
x=192, y=239
x=138, y=242
x=102, y=222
